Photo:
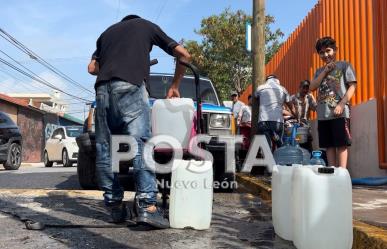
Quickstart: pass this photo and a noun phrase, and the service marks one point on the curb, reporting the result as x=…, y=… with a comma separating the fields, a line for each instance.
x=367, y=236
x=364, y=235
x=255, y=186
x=30, y=164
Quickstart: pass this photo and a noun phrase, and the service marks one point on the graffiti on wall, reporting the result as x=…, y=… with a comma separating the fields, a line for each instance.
x=49, y=129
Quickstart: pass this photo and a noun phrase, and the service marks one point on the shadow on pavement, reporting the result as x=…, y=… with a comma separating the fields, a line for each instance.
x=61, y=210
x=232, y=229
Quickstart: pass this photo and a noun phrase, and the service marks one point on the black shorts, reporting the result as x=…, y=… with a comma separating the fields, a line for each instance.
x=334, y=133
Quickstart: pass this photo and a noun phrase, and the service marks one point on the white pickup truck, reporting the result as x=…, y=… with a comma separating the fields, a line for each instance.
x=216, y=120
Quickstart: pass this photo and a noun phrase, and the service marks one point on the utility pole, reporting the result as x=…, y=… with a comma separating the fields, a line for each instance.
x=258, y=49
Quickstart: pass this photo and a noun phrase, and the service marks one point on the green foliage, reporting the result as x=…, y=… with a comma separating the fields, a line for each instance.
x=222, y=56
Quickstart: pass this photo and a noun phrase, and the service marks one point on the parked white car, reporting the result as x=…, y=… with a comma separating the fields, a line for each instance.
x=61, y=146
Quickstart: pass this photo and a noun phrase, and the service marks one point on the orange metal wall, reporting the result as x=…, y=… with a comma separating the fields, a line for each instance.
x=380, y=38
x=359, y=28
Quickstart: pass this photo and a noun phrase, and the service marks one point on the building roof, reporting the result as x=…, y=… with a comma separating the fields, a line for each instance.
x=19, y=102
x=71, y=118
x=31, y=95
x=40, y=97
x=15, y=101
x=25, y=103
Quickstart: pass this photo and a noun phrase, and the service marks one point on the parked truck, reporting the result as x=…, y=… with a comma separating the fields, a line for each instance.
x=216, y=120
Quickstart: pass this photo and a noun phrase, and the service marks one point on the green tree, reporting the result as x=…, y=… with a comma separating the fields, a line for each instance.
x=222, y=56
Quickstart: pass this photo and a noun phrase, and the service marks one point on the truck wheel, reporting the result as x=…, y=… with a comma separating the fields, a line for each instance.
x=47, y=162
x=86, y=170
x=14, y=157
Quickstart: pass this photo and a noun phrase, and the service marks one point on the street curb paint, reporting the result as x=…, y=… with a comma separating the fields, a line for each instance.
x=367, y=236
x=255, y=186
x=364, y=235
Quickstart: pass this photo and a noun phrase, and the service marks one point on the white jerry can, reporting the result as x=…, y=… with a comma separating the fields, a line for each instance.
x=322, y=208
x=191, y=196
x=173, y=117
x=281, y=193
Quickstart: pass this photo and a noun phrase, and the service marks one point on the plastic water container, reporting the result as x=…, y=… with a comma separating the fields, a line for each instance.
x=191, y=194
x=305, y=155
x=281, y=195
x=173, y=117
x=302, y=134
x=288, y=155
x=322, y=208
x=316, y=158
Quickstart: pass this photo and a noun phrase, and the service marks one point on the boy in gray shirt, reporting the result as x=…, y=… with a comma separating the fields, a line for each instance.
x=336, y=84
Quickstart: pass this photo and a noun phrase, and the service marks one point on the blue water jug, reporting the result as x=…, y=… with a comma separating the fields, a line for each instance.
x=305, y=155
x=316, y=158
x=289, y=153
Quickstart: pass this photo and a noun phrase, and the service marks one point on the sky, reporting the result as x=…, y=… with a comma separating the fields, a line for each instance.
x=63, y=33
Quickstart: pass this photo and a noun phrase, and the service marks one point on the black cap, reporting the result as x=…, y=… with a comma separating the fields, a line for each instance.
x=326, y=170
x=271, y=76
x=129, y=17
x=304, y=83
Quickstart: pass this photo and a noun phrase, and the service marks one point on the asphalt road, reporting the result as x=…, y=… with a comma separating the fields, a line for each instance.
x=239, y=220
x=37, y=176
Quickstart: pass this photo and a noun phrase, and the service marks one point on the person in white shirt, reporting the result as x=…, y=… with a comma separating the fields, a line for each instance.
x=244, y=116
x=236, y=103
x=272, y=96
x=236, y=107
x=244, y=121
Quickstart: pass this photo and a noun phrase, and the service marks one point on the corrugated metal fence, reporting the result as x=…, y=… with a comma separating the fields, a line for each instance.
x=360, y=29
x=380, y=38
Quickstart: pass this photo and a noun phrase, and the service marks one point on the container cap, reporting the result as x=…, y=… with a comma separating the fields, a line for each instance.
x=316, y=153
x=326, y=170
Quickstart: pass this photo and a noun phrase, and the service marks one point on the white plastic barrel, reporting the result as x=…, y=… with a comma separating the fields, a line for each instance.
x=190, y=201
x=173, y=117
x=281, y=195
x=322, y=208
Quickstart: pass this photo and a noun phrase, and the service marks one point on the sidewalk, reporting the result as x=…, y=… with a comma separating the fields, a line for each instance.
x=31, y=164
x=369, y=210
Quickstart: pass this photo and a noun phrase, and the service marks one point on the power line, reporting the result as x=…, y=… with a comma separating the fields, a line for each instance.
x=118, y=9
x=75, y=112
x=39, y=79
x=30, y=87
x=1, y=51
x=34, y=74
x=74, y=103
x=71, y=58
x=161, y=10
x=39, y=59
x=36, y=57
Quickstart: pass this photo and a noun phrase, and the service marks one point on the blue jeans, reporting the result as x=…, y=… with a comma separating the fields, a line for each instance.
x=273, y=132
x=123, y=109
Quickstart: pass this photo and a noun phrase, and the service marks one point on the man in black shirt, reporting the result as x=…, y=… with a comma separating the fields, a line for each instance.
x=121, y=63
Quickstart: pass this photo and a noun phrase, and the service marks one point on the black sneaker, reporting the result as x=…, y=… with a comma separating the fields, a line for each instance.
x=118, y=212
x=155, y=219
